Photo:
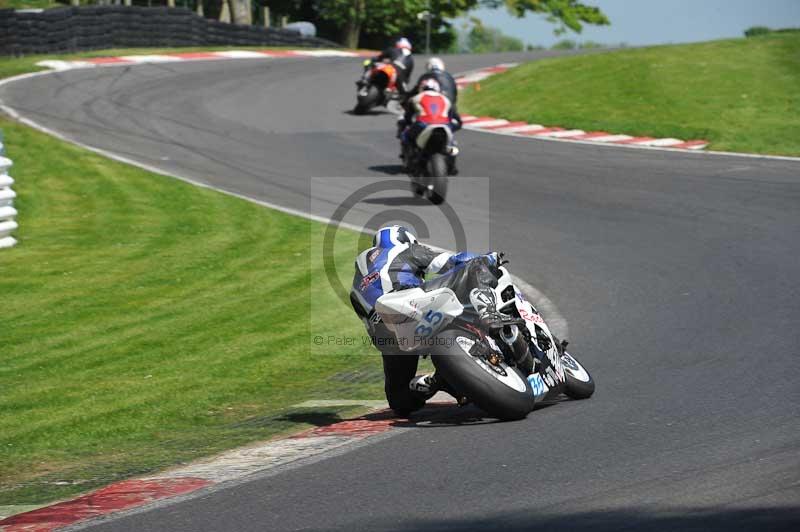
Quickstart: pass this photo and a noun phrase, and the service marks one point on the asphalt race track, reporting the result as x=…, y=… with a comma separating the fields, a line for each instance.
x=677, y=273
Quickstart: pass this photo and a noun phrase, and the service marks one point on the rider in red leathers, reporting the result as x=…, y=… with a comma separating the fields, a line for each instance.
x=429, y=107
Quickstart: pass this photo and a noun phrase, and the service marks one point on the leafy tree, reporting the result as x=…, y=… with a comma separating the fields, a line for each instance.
x=373, y=22
x=755, y=31
x=241, y=11
x=567, y=14
x=564, y=44
x=364, y=18
x=482, y=39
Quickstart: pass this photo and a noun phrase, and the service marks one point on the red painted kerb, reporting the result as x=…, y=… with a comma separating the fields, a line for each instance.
x=113, y=498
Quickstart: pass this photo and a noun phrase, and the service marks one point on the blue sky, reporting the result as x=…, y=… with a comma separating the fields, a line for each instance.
x=638, y=22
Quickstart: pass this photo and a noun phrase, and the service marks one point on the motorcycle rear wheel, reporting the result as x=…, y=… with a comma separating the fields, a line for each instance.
x=507, y=397
x=367, y=102
x=438, y=172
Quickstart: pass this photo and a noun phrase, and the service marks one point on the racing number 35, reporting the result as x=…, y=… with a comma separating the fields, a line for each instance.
x=432, y=319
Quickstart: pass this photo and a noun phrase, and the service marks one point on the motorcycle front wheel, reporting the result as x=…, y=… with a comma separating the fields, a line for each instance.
x=579, y=385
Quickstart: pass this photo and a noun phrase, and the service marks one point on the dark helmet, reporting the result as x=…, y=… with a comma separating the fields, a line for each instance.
x=430, y=84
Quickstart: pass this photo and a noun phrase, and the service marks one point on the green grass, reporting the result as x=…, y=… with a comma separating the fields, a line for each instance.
x=28, y=4
x=740, y=94
x=146, y=322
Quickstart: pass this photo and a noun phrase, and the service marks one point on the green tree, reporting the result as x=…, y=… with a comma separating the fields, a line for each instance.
x=567, y=14
x=482, y=39
x=365, y=22
x=241, y=11
x=564, y=44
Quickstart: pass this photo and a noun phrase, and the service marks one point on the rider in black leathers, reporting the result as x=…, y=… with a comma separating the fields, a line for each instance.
x=401, y=57
x=434, y=69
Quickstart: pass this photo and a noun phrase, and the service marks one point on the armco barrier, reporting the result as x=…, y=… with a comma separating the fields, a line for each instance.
x=71, y=29
x=8, y=213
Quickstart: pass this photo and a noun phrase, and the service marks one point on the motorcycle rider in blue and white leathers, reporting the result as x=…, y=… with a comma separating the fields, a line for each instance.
x=398, y=262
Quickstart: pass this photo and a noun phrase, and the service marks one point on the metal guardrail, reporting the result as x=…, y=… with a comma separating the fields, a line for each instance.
x=8, y=213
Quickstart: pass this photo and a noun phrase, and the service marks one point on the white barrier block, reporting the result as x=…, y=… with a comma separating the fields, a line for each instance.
x=7, y=227
x=7, y=212
x=7, y=196
x=8, y=242
x=6, y=180
x=5, y=164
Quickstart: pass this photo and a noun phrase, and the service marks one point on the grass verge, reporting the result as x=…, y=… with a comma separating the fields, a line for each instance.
x=740, y=94
x=147, y=322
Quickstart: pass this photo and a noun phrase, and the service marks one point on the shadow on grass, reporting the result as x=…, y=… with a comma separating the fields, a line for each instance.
x=315, y=418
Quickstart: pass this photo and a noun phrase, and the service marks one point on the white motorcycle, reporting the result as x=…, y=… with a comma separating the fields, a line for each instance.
x=480, y=366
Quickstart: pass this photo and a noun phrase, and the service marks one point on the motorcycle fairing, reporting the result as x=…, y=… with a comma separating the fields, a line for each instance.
x=555, y=376
x=414, y=315
x=425, y=135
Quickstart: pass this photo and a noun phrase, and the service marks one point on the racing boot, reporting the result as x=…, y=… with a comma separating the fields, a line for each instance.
x=485, y=304
x=426, y=385
x=452, y=152
x=401, y=126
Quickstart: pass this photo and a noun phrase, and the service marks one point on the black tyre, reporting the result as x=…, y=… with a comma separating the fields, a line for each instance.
x=579, y=385
x=417, y=189
x=438, y=172
x=507, y=397
x=367, y=101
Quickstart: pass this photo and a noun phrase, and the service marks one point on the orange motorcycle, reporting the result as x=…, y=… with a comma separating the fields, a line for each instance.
x=376, y=87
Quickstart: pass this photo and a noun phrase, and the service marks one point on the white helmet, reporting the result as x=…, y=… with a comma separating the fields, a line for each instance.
x=434, y=63
x=403, y=43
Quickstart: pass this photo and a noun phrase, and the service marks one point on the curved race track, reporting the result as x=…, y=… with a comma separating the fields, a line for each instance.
x=678, y=274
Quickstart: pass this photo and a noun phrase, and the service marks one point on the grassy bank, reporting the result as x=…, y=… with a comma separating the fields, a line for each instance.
x=147, y=322
x=740, y=94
